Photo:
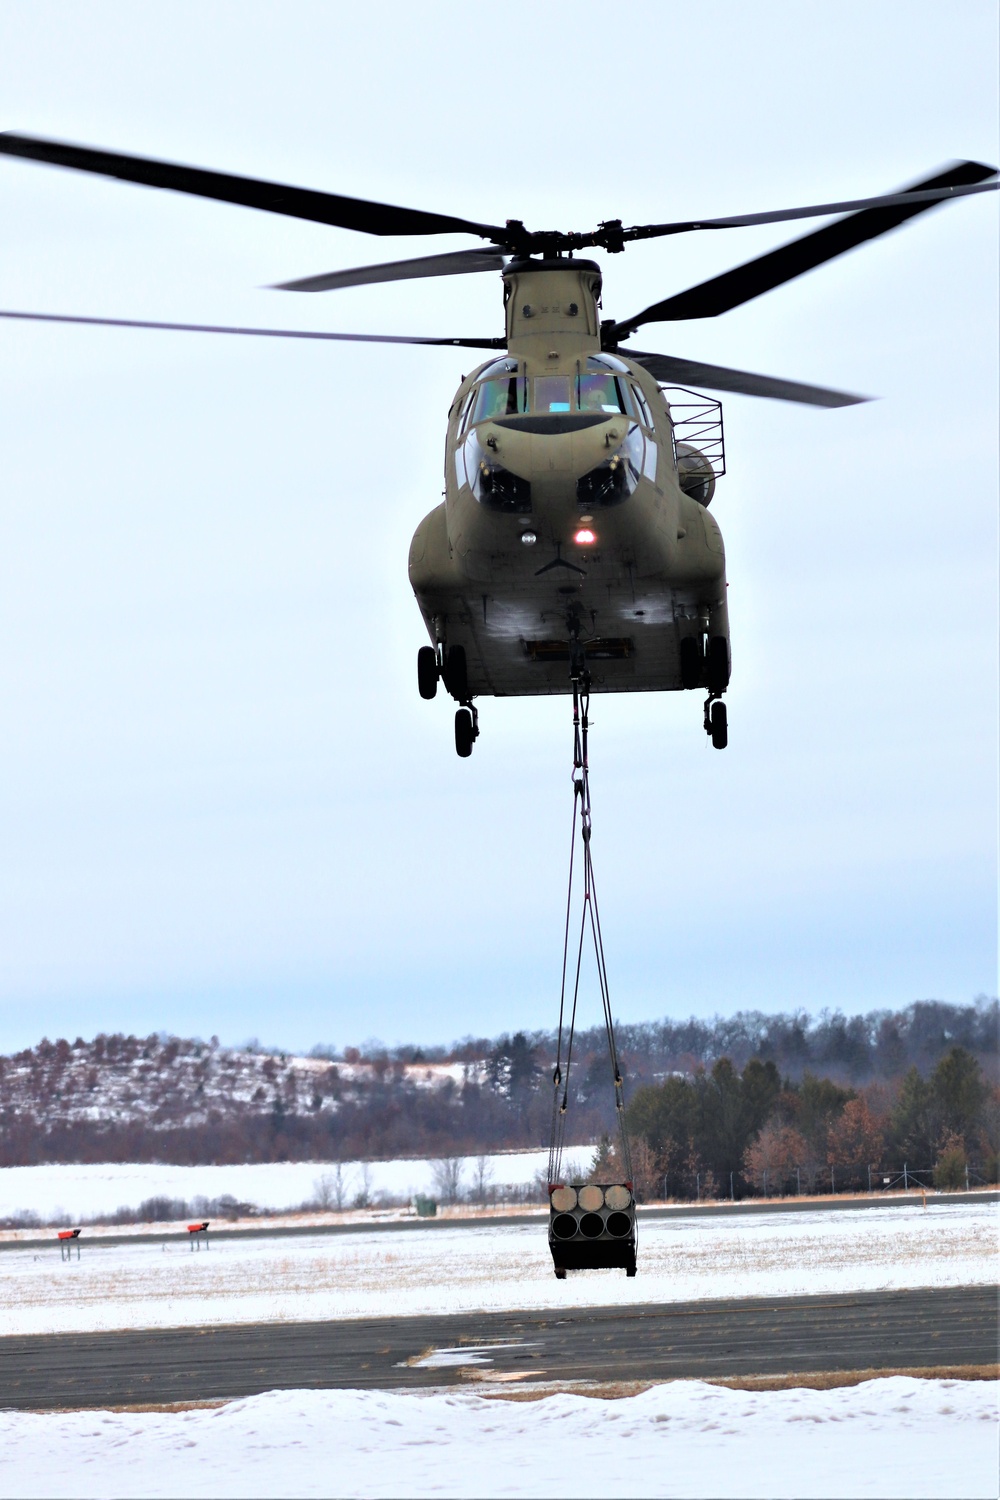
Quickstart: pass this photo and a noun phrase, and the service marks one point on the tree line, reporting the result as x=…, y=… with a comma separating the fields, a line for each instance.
x=758, y=1103
x=722, y=1132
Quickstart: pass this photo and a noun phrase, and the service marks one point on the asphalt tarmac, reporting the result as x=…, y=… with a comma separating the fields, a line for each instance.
x=758, y=1336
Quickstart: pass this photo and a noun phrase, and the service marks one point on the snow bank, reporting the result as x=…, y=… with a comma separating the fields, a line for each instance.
x=887, y=1438
x=491, y=1266
x=75, y=1192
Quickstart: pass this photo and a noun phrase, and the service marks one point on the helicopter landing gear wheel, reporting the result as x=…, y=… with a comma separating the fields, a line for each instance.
x=719, y=725
x=427, y=672
x=466, y=730
x=717, y=664
x=692, y=661
x=455, y=672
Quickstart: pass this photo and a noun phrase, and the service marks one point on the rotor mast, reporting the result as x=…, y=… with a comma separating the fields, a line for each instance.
x=551, y=308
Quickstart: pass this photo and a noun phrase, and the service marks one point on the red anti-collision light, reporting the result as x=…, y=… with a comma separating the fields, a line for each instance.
x=585, y=537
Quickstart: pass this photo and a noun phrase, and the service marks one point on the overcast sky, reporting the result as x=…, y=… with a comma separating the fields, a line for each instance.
x=223, y=807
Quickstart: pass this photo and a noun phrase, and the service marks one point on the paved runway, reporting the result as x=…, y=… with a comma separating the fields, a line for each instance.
x=908, y=1329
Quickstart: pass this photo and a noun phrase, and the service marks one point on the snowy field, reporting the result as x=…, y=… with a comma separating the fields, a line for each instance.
x=896, y=1437
x=71, y=1193
x=492, y=1266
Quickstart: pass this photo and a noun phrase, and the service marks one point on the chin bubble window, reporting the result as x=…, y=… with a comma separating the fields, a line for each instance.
x=493, y=486
x=613, y=481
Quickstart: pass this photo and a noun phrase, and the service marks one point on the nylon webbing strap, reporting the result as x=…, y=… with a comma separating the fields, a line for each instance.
x=590, y=919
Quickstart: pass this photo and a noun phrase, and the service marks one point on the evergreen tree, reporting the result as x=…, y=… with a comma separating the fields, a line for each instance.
x=959, y=1094
x=914, y=1123
x=820, y=1101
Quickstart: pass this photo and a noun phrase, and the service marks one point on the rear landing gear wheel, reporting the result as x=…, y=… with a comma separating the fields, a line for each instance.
x=717, y=664
x=465, y=732
x=456, y=673
x=692, y=661
x=719, y=721
x=427, y=672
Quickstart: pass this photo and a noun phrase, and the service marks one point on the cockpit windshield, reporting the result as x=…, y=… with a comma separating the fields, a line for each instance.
x=600, y=386
x=600, y=393
x=502, y=396
x=551, y=393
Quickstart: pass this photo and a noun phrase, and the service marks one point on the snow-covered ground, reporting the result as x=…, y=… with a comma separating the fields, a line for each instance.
x=74, y=1192
x=897, y=1437
x=491, y=1265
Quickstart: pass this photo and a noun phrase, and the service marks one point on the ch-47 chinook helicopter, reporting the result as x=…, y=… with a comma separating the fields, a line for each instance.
x=575, y=526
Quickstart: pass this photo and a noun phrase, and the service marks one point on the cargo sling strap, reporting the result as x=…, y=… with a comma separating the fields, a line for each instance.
x=589, y=917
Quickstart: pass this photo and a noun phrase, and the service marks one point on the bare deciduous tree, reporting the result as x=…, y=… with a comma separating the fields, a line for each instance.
x=330, y=1190
x=363, y=1197
x=482, y=1180
x=446, y=1174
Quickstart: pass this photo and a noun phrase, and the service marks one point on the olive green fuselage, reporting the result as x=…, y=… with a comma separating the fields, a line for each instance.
x=575, y=449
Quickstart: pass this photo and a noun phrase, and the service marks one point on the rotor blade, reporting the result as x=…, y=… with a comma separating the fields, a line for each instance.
x=717, y=378
x=273, y=197
x=267, y=333
x=930, y=196
x=455, y=263
x=733, y=288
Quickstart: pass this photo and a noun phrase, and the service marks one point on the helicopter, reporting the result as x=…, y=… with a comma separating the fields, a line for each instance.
x=574, y=544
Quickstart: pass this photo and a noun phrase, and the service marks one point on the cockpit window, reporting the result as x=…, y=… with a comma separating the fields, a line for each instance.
x=552, y=393
x=606, y=362
x=466, y=408
x=505, y=366
x=602, y=393
x=504, y=397
x=599, y=387
x=640, y=402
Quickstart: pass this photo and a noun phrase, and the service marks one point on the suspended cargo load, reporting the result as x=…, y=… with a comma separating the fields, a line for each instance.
x=592, y=1228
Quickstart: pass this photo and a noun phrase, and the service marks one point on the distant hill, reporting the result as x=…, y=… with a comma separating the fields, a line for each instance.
x=126, y=1098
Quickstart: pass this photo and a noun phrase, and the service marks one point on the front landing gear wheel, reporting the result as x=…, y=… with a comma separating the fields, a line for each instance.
x=427, y=672
x=719, y=726
x=465, y=732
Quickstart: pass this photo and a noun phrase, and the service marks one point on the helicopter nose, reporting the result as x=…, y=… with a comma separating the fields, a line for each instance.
x=551, y=447
x=575, y=452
